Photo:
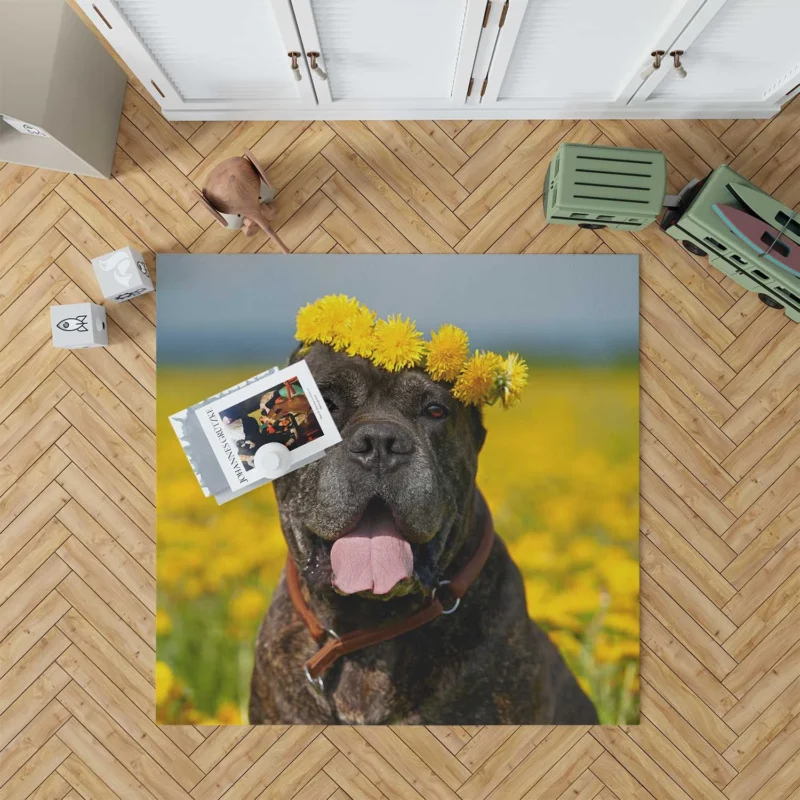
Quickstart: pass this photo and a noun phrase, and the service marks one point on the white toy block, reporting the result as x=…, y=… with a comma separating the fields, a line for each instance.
x=79, y=325
x=122, y=274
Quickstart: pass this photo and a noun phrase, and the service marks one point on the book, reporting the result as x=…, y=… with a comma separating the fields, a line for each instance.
x=249, y=434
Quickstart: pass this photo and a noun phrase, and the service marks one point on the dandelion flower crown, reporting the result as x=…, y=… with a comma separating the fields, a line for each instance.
x=395, y=344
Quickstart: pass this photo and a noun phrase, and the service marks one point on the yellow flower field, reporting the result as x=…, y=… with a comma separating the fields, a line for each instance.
x=560, y=472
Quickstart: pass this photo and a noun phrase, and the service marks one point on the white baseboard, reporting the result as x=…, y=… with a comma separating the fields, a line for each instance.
x=648, y=111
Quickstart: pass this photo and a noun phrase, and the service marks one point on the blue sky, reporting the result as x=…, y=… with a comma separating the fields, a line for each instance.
x=240, y=309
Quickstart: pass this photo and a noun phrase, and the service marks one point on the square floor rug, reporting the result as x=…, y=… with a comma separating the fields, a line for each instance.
x=456, y=541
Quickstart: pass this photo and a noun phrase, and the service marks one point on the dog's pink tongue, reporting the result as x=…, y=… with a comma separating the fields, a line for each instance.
x=373, y=558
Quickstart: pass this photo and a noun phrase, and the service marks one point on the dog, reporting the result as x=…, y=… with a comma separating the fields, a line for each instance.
x=406, y=468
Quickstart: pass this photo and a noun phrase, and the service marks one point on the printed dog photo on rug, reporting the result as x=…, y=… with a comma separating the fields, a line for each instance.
x=467, y=554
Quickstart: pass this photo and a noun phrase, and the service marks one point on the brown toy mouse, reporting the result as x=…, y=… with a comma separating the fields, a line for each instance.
x=234, y=194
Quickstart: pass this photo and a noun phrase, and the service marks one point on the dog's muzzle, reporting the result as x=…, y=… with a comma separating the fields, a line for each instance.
x=381, y=445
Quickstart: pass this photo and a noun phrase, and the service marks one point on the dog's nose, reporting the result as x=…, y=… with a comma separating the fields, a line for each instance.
x=381, y=445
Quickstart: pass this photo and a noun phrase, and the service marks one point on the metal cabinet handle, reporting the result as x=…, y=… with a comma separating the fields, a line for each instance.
x=676, y=60
x=295, y=65
x=100, y=14
x=657, y=56
x=315, y=68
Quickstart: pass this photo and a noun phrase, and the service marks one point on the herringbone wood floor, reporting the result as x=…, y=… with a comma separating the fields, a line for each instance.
x=720, y=485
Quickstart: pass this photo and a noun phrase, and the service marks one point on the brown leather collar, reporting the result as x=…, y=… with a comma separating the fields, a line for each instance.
x=339, y=646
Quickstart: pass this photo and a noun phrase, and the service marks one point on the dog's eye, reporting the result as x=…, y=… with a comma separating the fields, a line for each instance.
x=331, y=405
x=435, y=411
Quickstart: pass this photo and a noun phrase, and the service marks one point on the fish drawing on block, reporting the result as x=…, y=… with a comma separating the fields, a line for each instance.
x=121, y=265
x=77, y=324
x=763, y=238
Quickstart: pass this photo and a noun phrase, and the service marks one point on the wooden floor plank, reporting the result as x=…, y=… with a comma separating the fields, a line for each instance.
x=227, y=756
x=764, y=693
x=499, y=182
x=17, y=280
x=32, y=192
x=31, y=720
x=119, y=635
x=493, y=152
x=779, y=568
x=298, y=154
x=153, y=161
x=159, y=131
x=684, y=676
x=682, y=555
x=475, y=133
x=392, y=188
x=12, y=176
x=419, y=161
x=84, y=781
x=34, y=227
x=779, y=424
x=685, y=593
x=96, y=701
x=109, y=771
x=437, y=143
x=158, y=202
x=684, y=736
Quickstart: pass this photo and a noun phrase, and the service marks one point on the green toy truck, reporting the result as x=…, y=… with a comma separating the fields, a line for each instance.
x=702, y=232
x=597, y=187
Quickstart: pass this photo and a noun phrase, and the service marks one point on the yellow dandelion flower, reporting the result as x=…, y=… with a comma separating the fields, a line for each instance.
x=335, y=312
x=397, y=344
x=308, y=323
x=195, y=717
x=165, y=681
x=163, y=623
x=228, y=714
x=476, y=383
x=565, y=642
x=361, y=333
x=621, y=575
x=625, y=623
x=611, y=652
x=448, y=350
x=325, y=320
x=512, y=380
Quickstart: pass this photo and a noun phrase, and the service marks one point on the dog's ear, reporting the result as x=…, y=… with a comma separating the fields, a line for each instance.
x=478, y=431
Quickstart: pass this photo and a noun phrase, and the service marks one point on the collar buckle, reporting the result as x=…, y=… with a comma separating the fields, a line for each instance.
x=454, y=607
x=317, y=684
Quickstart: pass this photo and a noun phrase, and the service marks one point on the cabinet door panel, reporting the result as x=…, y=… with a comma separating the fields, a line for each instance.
x=223, y=55
x=581, y=50
x=384, y=51
x=747, y=52
x=578, y=52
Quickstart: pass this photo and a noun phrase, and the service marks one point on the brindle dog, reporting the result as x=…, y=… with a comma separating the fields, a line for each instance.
x=411, y=450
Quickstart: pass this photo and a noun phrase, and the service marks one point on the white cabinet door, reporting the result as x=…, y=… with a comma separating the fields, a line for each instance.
x=737, y=50
x=390, y=53
x=207, y=53
x=576, y=53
